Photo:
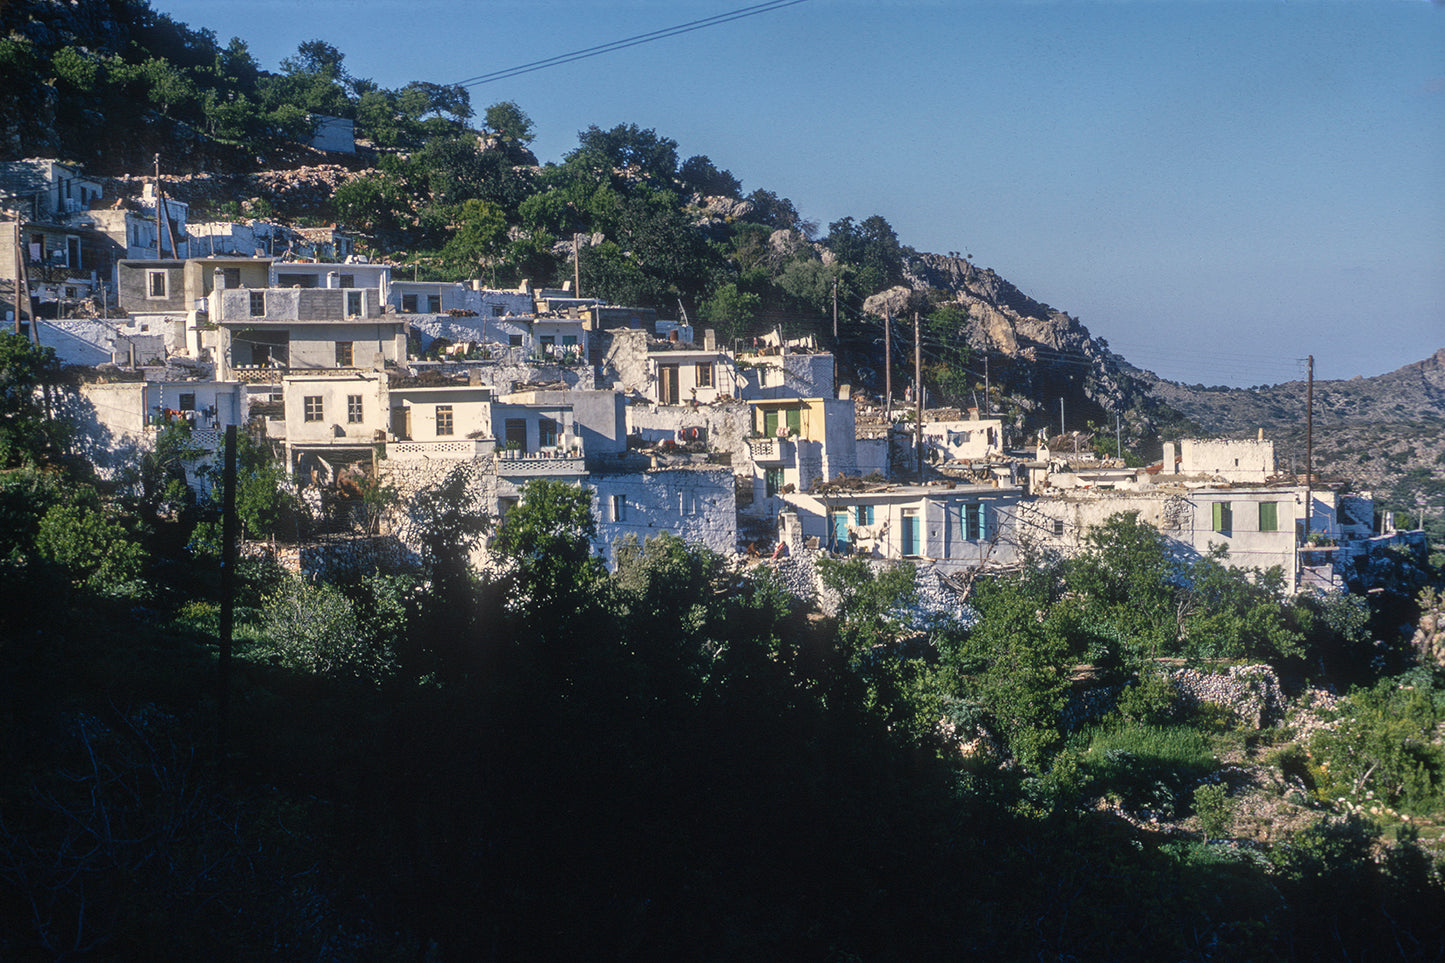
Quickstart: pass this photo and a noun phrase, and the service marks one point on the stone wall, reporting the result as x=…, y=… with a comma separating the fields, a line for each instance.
x=338, y=557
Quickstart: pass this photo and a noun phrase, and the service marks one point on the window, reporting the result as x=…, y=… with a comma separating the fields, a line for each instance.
x=547, y=433
x=498, y=310
x=773, y=478
x=72, y=292
x=353, y=409
x=296, y=280
x=353, y=304
x=514, y=340
x=974, y=526
x=408, y=304
x=795, y=421
x=515, y=430
x=704, y=374
x=549, y=341
x=619, y=508
x=187, y=402
x=343, y=354
x=1223, y=516
x=434, y=304
x=569, y=340
x=1058, y=528
x=347, y=280
x=72, y=253
x=791, y=419
x=258, y=304
x=1269, y=516
x=912, y=533
x=230, y=278
x=312, y=408
x=155, y=284
x=444, y=420
x=863, y=515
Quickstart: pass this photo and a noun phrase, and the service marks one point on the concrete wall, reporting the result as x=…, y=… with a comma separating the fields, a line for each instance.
x=599, y=417
x=471, y=411
x=787, y=376
x=1239, y=462
x=1185, y=517
x=334, y=428
x=695, y=503
x=720, y=376
x=133, y=278
x=295, y=304
x=970, y=440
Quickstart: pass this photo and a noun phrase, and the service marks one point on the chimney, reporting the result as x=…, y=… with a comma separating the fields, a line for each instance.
x=1171, y=465
x=709, y=339
x=331, y=280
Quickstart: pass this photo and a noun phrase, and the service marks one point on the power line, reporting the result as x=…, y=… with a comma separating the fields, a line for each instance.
x=633, y=41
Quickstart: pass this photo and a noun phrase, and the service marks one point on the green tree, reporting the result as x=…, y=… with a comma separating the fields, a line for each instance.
x=871, y=247
x=1127, y=577
x=730, y=311
x=314, y=629
x=509, y=122
x=1015, y=662
x=92, y=544
x=624, y=153
x=478, y=239
x=547, y=541
x=698, y=175
x=27, y=435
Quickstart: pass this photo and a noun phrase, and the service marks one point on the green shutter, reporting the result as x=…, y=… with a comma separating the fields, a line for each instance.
x=795, y=420
x=770, y=423
x=1268, y=517
x=1218, y=511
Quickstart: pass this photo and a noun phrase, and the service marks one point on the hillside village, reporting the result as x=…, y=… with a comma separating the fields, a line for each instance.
x=355, y=376
x=535, y=585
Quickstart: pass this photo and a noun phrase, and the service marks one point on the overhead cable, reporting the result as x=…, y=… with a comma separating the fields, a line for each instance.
x=626, y=42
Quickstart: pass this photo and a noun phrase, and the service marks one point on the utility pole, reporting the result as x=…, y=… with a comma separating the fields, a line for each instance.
x=918, y=397
x=576, y=267
x=1118, y=438
x=228, y=598
x=158, y=207
x=987, y=409
x=1061, y=416
x=835, y=310
x=887, y=364
x=1309, y=444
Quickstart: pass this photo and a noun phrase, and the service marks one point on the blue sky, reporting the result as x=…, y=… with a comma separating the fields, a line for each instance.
x=1217, y=188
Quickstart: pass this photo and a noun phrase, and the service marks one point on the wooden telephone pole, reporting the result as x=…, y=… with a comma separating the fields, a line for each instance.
x=888, y=364
x=1309, y=444
x=918, y=397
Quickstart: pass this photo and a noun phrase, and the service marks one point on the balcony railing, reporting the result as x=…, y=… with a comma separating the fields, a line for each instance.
x=259, y=374
x=545, y=462
x=770, y=451
x=461, y=448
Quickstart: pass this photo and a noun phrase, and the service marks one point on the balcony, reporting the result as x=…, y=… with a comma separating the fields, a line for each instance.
x=548, y=461
x=458, y=448
x=259, y=374
x=771, y=451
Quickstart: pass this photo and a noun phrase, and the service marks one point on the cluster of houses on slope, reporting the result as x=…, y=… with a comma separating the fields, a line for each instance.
x=345, y=371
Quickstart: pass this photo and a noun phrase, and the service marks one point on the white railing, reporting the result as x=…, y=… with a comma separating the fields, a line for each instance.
x=769, y=450
x=458, y=448
x=546, y=462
